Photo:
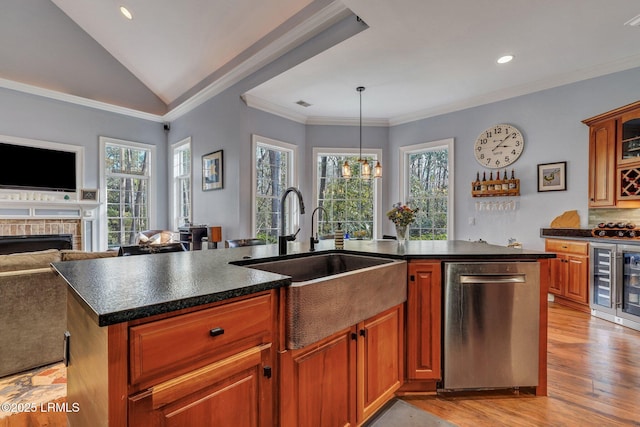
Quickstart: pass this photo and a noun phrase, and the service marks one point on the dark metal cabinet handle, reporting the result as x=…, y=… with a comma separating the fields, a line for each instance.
x=267, y=371
x=363, y=332
x=216, y=331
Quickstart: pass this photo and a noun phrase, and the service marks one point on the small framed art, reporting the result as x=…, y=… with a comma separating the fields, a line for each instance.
x=89, y=194
x=212, y=171
x=552, y=176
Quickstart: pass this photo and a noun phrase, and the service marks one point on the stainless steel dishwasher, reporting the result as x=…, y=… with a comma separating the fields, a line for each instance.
x=491, y=325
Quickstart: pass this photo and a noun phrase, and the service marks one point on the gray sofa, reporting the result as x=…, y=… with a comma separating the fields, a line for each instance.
x=33, y=308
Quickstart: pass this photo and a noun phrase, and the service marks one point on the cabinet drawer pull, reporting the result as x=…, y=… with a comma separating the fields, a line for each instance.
x=216, y=331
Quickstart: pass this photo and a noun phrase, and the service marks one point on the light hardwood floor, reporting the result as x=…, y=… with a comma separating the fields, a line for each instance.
x=593, y=380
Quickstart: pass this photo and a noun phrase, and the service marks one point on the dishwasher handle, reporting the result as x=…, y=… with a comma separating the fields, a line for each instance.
x=493, y=278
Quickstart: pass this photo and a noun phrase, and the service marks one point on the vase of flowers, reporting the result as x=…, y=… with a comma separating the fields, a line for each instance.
x=402, y=216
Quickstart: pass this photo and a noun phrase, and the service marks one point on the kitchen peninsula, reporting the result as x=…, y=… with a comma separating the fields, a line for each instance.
x=137, y=353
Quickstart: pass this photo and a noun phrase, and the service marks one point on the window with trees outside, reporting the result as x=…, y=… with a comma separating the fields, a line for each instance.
x=127, y=179
x=181, y=194
x=428, y=172
x=273, y=173
x=349, y=203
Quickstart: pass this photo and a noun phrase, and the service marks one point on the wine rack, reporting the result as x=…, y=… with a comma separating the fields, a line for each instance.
x=616, y=233
x=629, y=183
x=515, y=191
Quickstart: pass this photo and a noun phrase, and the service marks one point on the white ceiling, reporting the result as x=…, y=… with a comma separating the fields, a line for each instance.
x=418, y=58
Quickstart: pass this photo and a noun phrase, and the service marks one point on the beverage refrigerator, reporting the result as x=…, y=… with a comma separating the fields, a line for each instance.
x=614, y=283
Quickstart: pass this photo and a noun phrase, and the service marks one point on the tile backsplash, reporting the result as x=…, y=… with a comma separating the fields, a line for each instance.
x=597, y=216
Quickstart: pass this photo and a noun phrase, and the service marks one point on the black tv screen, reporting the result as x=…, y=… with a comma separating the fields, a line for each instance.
x=37, y=168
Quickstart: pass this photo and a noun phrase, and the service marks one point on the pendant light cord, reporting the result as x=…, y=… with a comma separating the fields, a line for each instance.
x=360, y=89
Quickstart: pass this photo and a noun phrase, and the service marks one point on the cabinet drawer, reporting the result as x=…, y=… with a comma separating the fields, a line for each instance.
x=567, y=246
x=168, y=347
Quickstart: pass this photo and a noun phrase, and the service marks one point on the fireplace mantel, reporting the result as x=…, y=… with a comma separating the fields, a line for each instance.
x=55, y=215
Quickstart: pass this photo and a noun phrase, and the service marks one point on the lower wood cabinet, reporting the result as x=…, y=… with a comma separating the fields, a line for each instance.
x=345, y=378
x=569, y=272
x=234, y=390
x=213, y=365
x=424, y=321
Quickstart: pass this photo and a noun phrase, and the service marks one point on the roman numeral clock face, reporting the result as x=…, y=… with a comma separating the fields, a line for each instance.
x=499, y=146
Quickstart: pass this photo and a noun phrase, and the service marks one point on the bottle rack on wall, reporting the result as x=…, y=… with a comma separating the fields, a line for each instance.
x=514, y=191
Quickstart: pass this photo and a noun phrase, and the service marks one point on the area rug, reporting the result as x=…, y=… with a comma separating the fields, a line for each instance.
x=32, y=388
x=398, y=413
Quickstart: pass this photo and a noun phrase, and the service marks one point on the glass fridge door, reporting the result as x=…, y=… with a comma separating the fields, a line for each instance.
x=630, y=295
x=602, y=291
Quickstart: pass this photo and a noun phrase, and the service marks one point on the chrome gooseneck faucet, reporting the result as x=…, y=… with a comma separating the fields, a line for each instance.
x=284, y=238
x=313, y=240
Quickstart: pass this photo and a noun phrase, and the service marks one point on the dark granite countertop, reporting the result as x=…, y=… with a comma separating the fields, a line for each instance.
x=120, y=289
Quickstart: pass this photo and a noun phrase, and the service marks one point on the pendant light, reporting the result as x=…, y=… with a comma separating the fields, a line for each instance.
x=365, y=167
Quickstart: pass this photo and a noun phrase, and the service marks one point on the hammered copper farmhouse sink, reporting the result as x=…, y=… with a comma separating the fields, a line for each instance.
x=330, y=292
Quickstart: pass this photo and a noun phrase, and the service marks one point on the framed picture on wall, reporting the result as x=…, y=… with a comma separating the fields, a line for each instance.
x=212, y=171
x=552, y=176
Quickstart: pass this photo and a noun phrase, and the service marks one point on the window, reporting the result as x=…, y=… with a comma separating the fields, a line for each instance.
x=126, y=174
x=428, y=185
x=349, y=203
x=181, y=192
x=273, y=173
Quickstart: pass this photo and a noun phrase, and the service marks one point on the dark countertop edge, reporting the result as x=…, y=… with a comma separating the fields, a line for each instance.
x=166, y=307
x=111, y=318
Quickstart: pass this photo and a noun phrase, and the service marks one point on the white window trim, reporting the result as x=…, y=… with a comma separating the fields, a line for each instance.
x=103, y=141
x=293, y=175
x=404, y=175
x=377, y=194
x=172, y=193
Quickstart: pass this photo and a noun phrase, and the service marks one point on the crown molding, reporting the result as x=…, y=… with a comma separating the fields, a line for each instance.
x=78, y=100
x=303, y=31
x=346, y=121
x=269, y=107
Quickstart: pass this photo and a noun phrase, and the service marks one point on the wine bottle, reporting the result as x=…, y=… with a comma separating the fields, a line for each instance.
x=476, y=184
x=512, y=181
x=490, y=183
x=483, y=184
x=505, y=181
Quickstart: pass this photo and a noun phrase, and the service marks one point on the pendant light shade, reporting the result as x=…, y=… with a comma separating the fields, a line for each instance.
x=365, y=167
x=346, y=170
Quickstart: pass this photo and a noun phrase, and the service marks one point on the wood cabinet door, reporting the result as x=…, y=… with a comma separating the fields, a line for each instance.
x=424, y=321
x=602, y=164
x=318, y=383
x=557, y=274
x=380, y=357
x=577, y=283
x=235, y=391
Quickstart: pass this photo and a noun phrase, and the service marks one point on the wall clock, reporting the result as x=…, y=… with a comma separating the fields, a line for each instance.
x=498, y=146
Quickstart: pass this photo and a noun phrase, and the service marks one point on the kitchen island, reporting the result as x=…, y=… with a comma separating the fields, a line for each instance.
x=134, y=350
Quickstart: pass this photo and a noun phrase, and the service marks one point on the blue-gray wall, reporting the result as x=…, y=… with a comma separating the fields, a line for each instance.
x=550, y=121
x=34, y=117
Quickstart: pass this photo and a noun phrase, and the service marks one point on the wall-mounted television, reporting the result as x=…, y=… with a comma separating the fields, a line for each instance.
x=37, y=168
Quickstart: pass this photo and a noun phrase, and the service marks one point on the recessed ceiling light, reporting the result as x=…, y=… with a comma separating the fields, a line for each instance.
x=505, y=59
x=126, y=12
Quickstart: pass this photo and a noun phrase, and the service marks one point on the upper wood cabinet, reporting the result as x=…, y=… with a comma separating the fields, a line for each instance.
x=614, y=158
x=602, y=166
